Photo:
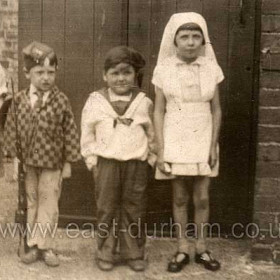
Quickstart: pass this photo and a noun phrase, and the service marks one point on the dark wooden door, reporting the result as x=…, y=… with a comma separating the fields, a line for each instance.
x=83, y=31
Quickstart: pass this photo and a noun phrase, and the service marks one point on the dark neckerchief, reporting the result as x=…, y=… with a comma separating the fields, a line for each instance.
x=118, y=120
x=105, y=93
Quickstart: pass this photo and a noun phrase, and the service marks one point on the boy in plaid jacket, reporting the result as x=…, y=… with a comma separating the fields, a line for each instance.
x=49, y=141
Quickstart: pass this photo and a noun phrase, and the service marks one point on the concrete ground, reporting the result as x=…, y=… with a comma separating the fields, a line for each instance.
x=77, y=256
x=77, y=262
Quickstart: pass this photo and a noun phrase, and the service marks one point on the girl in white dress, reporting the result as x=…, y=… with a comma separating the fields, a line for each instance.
x=187, y=124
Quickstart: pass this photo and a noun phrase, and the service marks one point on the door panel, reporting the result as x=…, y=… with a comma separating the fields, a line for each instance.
x=55, y=36
x=110, y=18
x=77, y=193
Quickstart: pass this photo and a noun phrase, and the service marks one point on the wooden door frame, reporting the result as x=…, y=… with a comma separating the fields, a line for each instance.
x=255, y=106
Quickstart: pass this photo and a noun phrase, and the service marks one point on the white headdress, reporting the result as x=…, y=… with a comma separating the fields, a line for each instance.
x=167, y=47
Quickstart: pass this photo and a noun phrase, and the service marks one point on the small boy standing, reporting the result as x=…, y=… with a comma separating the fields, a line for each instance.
x=49, y=142
x=117, y=143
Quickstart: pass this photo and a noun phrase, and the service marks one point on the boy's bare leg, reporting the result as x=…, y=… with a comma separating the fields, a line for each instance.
x=201, y=204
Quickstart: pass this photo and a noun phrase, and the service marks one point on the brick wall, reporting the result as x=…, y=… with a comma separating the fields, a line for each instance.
x=9, y=37
x=9, y=60
x=267, y=191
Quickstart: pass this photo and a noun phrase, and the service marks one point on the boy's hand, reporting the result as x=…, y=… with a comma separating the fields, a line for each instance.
x=66, y=171
x=152, y=160
x=90, y=162
x=213, y=156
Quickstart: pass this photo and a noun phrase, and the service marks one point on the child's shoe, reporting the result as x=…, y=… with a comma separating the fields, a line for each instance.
x=178, y=262
x=50, y=258
x=137, y=265
x=208, y=261
x=30, y=257
x=104, y=265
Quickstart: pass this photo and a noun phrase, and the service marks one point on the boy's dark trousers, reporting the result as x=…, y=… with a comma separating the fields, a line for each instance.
x=121, y=208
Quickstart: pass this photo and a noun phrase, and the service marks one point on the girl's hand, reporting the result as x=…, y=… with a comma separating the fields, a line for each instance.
x=164, y=167
x=213, y=156
x=66, y=171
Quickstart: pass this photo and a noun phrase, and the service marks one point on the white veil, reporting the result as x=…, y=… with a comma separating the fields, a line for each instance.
x=167, y=47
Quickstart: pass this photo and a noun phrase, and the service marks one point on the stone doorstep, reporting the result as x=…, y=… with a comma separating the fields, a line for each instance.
x=261, y=252
x=266, y=252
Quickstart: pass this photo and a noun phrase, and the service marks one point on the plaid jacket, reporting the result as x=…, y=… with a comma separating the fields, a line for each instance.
x=48, y=136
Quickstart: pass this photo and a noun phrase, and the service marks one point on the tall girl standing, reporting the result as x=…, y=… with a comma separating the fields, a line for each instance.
x=187, y=124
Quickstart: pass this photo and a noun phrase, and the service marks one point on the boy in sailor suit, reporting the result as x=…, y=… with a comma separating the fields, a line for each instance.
x=117, y=143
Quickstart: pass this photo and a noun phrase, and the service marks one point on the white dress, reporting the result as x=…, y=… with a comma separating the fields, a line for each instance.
x=188, y=89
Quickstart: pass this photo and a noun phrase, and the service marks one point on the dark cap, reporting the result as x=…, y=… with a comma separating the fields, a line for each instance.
x=124, y=54
x=38, y=53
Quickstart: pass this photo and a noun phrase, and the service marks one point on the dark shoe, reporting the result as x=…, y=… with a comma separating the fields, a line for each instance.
x=137, y=265
x=31, y=256
x=208, y=261
x=50, y=258
x=177, y=263
x=104, y=265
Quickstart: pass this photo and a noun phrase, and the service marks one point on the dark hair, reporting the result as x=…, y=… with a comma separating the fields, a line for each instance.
x=124, y=54
x=189, y=26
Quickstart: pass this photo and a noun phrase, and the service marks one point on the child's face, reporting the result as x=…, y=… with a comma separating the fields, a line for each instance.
x=120, y=78
x=42, y=77
x=189, y=43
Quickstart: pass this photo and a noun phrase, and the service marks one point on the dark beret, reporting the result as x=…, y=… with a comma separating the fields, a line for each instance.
x=124, y=54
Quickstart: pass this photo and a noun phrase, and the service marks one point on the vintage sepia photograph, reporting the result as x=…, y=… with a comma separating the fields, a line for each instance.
x=139, y=139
